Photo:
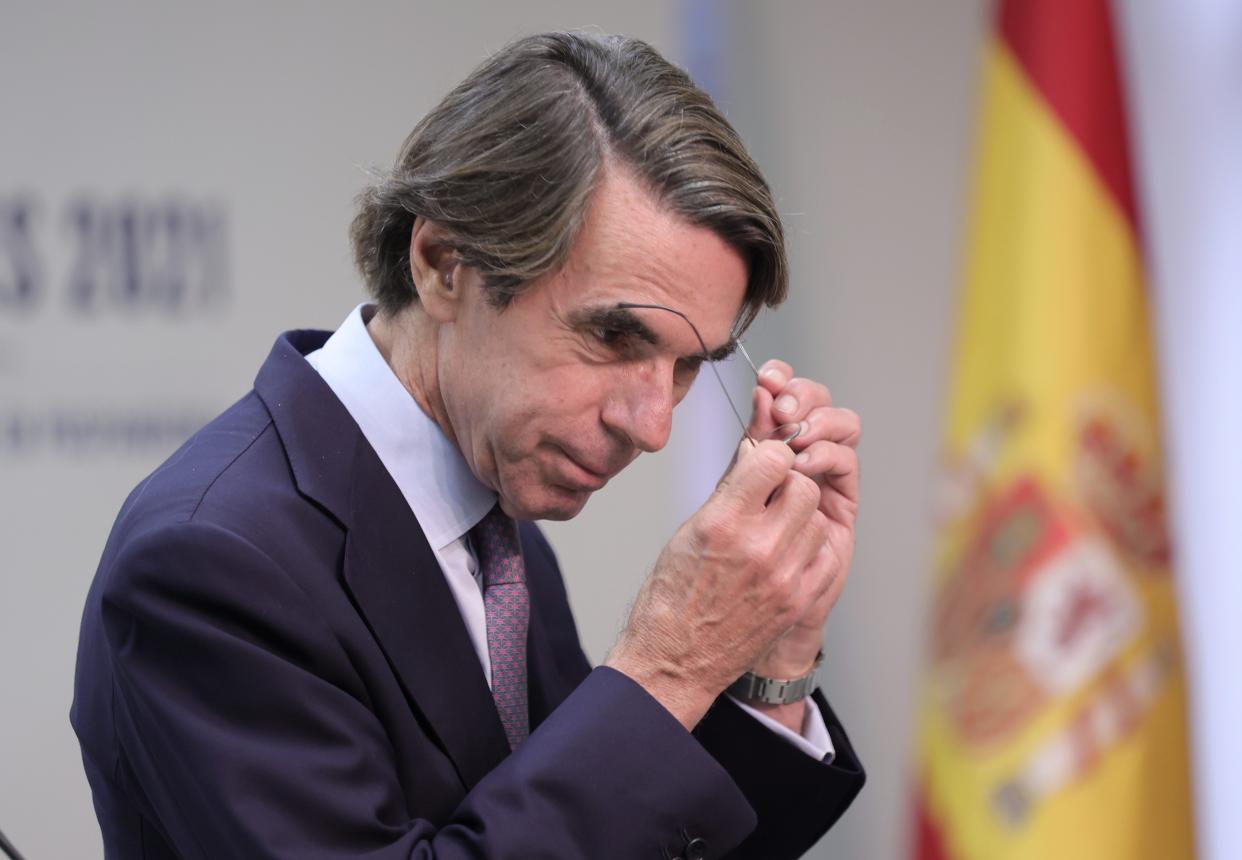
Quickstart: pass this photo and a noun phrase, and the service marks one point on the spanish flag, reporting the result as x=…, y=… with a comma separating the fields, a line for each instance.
x=1052, y=718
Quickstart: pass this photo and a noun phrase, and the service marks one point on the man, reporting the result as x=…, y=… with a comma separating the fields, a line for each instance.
x=316, y=631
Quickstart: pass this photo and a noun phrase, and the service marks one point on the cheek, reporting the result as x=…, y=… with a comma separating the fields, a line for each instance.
x=562, y=406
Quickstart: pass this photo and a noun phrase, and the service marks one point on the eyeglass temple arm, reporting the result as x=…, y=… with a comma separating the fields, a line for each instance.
x=712, y=364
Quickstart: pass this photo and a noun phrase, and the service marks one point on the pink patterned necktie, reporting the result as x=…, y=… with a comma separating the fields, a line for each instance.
x=506, y=607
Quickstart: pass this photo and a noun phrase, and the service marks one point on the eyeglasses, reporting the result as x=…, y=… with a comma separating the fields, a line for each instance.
x=706, y=357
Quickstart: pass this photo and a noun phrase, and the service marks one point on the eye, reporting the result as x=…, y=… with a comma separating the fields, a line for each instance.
x=611, y=337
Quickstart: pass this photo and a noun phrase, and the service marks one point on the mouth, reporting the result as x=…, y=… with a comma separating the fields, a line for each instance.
x=576, y=475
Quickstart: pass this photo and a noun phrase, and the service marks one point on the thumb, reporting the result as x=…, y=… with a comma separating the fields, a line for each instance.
x=758, y=472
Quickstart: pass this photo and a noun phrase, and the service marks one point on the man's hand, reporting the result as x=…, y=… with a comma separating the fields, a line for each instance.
x=734, y=580
x=826, y=448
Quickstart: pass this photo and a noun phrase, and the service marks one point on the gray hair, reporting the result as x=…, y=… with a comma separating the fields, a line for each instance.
x=506, y=164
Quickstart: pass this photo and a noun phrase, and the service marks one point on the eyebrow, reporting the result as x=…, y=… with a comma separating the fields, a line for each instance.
x=621, y=318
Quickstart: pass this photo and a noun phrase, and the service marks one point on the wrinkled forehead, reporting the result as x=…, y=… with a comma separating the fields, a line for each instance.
x=632, y=250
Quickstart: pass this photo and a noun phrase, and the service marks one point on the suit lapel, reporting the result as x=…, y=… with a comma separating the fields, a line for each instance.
x=398, y=586
x=390, y=571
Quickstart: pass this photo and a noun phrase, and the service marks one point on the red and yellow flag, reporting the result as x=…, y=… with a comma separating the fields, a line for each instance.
x=1052, y=718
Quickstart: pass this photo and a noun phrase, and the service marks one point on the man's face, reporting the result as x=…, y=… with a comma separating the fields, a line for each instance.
x=551, y=397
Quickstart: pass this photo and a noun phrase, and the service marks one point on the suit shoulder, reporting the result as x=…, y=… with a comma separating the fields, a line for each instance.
x=174, y=491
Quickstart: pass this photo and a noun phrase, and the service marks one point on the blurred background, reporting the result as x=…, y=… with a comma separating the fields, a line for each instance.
x=176, y=183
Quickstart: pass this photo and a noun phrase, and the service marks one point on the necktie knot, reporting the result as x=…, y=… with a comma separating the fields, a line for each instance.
x=498, y=549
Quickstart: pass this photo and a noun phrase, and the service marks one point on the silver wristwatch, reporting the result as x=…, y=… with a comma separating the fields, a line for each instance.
x=756, y=688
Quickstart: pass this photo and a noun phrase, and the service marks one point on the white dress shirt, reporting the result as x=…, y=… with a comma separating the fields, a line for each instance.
x=442, y=492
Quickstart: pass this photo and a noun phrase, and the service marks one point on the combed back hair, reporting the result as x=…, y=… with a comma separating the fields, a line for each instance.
x=507, y=162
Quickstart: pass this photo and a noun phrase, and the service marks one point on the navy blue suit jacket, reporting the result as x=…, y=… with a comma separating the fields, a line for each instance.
x=271, y=665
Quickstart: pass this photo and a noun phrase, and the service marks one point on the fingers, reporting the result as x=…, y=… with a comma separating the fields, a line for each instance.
x=836, y=467
x=792, y=397
x=773, y=375
x=834, y=424
x=824, y=437
x=827, y=459
x=757, y=474
x=799, y=396
x=830, y=461
x=795, y=505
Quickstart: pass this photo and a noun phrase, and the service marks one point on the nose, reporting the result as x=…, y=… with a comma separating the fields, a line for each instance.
x=640, y=408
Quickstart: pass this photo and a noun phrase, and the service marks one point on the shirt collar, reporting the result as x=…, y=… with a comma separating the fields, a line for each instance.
x=445, y=496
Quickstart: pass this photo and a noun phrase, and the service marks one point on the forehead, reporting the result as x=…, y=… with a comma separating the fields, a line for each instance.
x=632, y=249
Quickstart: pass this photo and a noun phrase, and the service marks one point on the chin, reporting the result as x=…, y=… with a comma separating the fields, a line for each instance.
x=545, y=503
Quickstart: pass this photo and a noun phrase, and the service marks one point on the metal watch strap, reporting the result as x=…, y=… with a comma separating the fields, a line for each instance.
x=773, y=691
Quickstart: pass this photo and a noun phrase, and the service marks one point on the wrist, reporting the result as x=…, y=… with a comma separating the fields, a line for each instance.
x=754, y=688
x=794, y=655
x=686, y=701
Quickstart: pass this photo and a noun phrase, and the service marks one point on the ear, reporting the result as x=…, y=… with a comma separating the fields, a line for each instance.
x=433, y=266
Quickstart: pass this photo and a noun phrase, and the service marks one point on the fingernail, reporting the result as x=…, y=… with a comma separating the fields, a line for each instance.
x=786, y=403
x=770, y=373
x=802, y=458
x=787, y=432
